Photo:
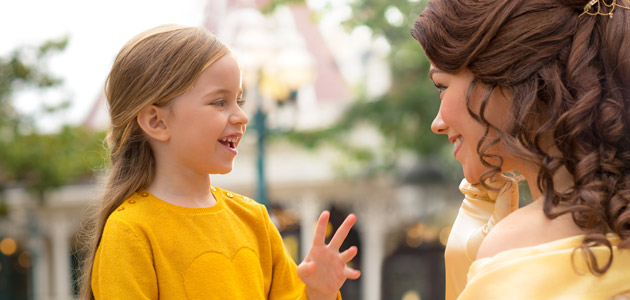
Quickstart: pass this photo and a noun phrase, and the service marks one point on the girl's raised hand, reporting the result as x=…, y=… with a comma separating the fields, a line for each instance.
x=324, y=269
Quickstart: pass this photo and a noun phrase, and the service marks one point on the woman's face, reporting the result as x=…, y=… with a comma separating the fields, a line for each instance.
x=462, y=130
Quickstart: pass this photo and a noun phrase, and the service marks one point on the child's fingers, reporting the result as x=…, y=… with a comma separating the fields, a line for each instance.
x=349, y=254
x=320, y=230
x=351, y=273
x=342, y=232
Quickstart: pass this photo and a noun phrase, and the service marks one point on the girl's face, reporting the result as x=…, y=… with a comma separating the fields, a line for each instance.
x=207, y=123
x=453, y=118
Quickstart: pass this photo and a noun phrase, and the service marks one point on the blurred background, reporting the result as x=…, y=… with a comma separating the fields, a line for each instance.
x=340, y=109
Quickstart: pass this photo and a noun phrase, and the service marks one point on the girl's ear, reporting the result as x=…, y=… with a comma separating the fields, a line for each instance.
x=152, y=121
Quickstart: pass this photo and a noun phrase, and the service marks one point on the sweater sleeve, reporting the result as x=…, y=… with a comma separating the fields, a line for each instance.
x=123, y=266
x=285, y=283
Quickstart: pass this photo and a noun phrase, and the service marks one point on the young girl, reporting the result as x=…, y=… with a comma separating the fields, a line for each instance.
x=163, y=231
x=541, y=87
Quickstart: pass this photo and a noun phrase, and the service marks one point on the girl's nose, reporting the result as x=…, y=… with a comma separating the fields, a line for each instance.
x=239, y=117
x=438, y=126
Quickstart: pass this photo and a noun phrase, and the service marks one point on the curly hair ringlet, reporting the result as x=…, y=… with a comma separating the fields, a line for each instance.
x=568, y=79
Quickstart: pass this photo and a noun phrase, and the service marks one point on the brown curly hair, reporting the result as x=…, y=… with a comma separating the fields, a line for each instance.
x=568, y=77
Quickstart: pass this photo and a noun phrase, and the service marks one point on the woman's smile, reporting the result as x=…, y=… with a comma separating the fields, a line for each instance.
x=457, y=142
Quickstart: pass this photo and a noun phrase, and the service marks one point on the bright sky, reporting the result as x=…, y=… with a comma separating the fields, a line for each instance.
x=96, y=30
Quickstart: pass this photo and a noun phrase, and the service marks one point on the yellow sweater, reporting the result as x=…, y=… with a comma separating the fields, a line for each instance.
x=151, y=249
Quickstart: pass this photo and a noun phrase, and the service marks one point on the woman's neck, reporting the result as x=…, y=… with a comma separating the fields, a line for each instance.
x=562, y=180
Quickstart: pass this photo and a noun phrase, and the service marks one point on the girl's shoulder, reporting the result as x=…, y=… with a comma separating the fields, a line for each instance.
x=527, y=226
x=237, y=202
x=233, y=197
x=243, y=208
x=133, y=212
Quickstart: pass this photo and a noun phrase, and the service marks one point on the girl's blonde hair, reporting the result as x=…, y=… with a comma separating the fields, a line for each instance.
x=153, y=68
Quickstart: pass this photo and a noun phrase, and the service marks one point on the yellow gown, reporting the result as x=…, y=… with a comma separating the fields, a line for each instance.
x=547, y=271
x=481, y=209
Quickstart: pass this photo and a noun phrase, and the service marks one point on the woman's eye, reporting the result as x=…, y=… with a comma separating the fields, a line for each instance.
x=440, y=88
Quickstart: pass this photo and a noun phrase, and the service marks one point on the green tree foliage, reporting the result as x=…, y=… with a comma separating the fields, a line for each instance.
x=404, y=114
x=24, y=68
x=29, y=158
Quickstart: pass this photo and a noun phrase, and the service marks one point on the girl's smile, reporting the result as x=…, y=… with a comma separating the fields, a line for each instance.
x=231, y=142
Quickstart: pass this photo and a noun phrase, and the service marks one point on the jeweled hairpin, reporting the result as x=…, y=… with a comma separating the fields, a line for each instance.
x=612, y=6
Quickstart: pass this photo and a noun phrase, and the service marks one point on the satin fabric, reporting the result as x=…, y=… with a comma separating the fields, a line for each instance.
x=548, y=271
x=481, y=209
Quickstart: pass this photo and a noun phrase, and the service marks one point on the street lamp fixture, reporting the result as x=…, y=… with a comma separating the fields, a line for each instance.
x=276, y=64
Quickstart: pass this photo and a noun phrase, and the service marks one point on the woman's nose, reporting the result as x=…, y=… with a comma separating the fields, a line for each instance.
x=438, y=126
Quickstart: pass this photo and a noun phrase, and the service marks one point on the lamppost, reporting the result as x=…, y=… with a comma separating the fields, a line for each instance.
x=276, y=65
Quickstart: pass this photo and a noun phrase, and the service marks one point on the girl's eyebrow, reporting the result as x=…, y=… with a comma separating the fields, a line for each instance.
x=221, y=91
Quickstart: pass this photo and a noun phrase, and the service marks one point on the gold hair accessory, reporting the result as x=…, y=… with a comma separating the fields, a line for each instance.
x=611, y=6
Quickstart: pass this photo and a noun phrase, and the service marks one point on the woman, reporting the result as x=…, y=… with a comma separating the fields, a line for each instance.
x=540, y=87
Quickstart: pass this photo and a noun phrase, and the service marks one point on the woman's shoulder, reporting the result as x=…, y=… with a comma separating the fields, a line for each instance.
x=527, y=226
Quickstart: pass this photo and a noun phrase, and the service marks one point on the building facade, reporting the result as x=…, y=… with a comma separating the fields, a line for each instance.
x=402, y=223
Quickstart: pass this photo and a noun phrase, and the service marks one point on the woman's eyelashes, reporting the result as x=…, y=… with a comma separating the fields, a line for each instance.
x=440, y=88
x=241, y=102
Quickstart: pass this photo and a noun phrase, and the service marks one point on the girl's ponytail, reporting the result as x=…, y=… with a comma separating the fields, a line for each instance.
x=153, y=68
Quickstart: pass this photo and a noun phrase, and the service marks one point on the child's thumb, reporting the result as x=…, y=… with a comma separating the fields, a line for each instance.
x=305, y=269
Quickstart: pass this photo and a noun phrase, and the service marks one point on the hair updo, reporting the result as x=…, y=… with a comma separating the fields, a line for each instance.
x=568, y=78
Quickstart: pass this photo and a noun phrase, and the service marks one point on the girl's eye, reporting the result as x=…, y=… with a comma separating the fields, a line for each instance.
x=240, y=102
x=219, y=103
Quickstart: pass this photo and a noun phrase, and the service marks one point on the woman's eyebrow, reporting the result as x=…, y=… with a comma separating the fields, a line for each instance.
x=433, y=71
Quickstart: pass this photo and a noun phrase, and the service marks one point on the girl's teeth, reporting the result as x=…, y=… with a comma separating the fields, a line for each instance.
x=230, y=140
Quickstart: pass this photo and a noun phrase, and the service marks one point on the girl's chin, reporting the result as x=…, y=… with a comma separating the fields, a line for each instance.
x=223, y=170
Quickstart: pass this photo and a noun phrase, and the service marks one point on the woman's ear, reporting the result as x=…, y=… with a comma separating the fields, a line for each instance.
x=152, y=121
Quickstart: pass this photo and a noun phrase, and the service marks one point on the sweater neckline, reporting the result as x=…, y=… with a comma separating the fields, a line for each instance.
x=161, y=204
